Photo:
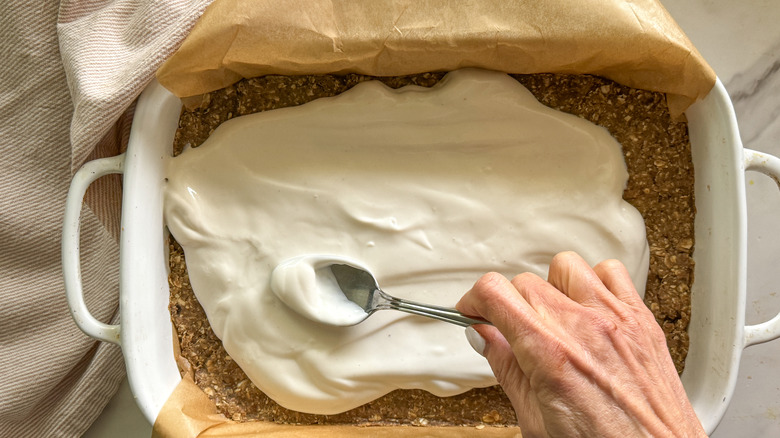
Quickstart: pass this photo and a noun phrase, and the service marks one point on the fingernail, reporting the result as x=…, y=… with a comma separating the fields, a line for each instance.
x=476, y=340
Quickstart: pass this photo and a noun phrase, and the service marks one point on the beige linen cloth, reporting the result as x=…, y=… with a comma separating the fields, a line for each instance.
x=69, y=74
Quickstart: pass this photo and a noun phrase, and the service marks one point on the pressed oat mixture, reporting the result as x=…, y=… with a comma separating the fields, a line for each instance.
x=660, y=186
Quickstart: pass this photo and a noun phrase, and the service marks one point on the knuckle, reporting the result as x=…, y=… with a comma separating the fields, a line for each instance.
x=636, y=318
x=604, y=325
x=563, y=258
x=630, y=323
x=490, y=283
x=525, y=278
x=612, y=266
x=488, y=293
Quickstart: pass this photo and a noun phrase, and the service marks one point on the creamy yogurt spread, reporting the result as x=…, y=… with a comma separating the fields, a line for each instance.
x=427, y=188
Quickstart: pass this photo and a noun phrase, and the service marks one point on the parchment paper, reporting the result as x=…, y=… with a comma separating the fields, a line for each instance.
x=636, y=43
x=189, y=412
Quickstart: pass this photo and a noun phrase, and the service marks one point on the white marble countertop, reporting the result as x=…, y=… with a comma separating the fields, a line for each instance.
x=741, y=40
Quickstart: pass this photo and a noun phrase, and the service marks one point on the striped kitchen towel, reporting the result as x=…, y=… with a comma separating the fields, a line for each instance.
x=70, y=73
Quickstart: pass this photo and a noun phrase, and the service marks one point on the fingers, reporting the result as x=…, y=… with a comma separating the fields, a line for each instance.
x=516, y=308
x=526, y=312
x=615, y=277
x=637, y=317
x=604, y=286
x=573, y=276
x=494, y=298
x=608, y=285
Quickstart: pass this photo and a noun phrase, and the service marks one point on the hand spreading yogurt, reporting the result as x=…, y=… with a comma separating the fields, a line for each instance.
x=429, y=187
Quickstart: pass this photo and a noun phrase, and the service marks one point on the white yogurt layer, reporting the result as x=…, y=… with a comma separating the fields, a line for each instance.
x=427, y=188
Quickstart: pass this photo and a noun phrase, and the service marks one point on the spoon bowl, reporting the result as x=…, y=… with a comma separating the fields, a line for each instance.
x=360, y=287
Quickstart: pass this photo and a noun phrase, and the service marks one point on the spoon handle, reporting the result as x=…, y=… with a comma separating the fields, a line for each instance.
x=445, y=314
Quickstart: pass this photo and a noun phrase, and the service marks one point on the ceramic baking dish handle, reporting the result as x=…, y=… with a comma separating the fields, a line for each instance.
x=71, y=259
x=770, y=166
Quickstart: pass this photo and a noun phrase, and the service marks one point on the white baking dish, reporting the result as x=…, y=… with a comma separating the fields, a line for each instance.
x=717, y=331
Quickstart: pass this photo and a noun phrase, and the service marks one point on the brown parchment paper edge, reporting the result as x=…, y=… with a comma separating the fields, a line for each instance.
x=635, y=43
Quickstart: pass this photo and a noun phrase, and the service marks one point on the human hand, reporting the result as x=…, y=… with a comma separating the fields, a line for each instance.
x=579, y=355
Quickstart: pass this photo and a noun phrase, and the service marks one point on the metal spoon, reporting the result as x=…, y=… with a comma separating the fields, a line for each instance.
x=361, y=288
